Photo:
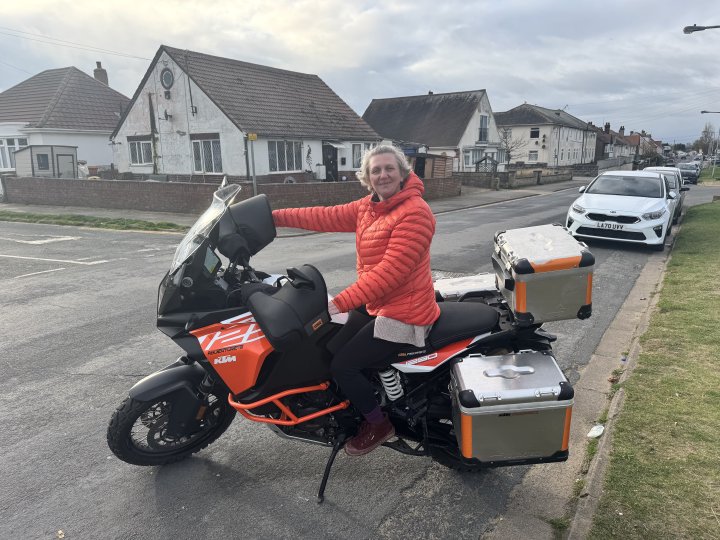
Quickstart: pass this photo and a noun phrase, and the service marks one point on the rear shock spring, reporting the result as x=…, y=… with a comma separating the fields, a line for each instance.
x=390, y=379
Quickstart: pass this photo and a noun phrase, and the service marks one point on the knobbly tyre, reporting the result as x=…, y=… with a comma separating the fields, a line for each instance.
x=484, y=391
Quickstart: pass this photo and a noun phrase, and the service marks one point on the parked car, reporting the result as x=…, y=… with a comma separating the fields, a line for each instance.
x=675, y=183
x=629, y=206
x=689, y=172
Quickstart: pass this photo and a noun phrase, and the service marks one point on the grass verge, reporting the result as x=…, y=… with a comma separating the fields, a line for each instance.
x=706, y=176
x=663, y=480
x=91, y=221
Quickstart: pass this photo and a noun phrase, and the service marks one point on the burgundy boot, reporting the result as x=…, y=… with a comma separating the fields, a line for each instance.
x=370, y=436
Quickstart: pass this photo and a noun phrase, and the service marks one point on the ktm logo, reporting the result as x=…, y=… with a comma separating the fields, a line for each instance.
x=224, y=359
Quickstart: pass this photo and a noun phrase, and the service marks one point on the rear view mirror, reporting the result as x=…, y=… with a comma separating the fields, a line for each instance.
x=581, y=189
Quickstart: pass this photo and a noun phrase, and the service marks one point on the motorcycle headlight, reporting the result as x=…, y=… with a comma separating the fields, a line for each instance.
x=654, y=215
x=577, y=208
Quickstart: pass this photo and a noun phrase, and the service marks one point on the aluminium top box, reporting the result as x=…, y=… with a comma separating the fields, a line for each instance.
x=512, y=409
x=544, y=273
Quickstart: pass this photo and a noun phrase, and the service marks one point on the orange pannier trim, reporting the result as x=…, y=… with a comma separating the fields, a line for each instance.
x=566, y=429
x=287, y=418
x=557, y=264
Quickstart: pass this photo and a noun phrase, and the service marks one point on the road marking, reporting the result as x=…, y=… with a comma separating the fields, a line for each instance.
x=49, y=240
x=43, y=272
x=54, y=260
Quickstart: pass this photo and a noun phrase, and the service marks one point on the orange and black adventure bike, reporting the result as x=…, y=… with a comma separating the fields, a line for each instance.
x=261, y=345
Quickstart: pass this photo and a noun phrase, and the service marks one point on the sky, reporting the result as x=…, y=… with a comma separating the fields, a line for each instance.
x=626, y=63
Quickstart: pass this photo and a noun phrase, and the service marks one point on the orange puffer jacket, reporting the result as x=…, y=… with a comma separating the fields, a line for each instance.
x=392, y=239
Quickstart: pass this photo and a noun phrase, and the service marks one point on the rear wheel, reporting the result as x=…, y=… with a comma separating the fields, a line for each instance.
x=138, y=431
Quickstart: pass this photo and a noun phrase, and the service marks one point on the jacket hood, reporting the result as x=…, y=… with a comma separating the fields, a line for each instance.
x=413, y=187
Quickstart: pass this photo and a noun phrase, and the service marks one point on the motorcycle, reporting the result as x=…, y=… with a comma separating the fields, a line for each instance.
x=261, y=345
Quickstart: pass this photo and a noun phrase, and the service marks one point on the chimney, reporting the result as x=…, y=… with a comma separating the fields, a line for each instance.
x=621, y=131
x=607, y=127
x=100, y=74
x=430, y=92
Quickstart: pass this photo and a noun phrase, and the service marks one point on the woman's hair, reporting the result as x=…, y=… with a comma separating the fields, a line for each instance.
x=364, y=173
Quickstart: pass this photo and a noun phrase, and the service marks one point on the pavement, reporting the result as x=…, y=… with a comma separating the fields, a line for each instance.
x=546, y=490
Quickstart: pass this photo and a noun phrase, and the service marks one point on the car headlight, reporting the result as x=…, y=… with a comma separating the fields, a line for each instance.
x=654, y=215
x=577, y=208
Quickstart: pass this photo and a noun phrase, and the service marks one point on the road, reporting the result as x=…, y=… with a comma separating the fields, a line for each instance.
x=77, y=327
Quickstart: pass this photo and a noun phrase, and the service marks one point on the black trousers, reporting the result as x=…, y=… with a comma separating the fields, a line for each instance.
x=363, y=351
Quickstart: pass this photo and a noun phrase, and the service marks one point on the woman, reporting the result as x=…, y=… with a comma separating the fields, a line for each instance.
x=393, y=229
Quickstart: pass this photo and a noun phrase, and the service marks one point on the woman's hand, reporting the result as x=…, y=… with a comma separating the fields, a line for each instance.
x=332, y=308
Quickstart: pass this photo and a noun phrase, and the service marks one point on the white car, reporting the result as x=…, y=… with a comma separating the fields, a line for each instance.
x=675, y=183
x=629, y=206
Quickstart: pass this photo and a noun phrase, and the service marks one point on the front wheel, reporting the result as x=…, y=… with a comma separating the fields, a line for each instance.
x=138, y=431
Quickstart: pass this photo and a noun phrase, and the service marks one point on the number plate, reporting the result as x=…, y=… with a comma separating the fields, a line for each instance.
x=616, y=226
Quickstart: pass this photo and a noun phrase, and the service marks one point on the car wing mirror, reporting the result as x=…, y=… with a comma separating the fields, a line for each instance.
x=684, y=188
x=672, y=195
x=581, y=189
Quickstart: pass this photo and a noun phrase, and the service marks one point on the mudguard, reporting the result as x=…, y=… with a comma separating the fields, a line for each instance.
x=178, y=376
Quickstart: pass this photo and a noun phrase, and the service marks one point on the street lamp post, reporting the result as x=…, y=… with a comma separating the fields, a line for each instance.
x=696, y=28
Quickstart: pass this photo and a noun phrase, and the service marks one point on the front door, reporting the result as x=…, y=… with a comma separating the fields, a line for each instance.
x=330, y=162
x=66, y=166
x=419, y=166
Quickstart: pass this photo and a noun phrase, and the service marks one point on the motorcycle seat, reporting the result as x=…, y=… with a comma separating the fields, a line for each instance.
x=461, y=320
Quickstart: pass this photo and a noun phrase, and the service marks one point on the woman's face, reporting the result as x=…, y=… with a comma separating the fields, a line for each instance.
x=385, y=176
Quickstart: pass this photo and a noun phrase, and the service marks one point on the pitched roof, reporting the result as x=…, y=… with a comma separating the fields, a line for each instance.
x=269, y=101
x=64, y=98
x=532, y=115
x=432, y=119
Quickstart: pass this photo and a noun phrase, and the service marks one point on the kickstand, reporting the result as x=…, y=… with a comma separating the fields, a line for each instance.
x=336, y=448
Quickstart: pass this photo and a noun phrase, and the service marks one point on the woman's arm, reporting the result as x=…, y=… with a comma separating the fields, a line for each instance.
x=340, y=218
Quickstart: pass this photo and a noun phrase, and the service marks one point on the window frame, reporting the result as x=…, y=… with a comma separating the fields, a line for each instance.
x=206, y=153
x=357, y=159
x=530, y=155
x=40, y=165
x=484, y=128
x=537, y=133
x=141, y=148
x=291, y=148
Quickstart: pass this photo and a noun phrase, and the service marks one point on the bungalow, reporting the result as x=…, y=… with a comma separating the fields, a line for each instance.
x=541, y=135
x=455, y=124
x=60, y=107
x=197, y=117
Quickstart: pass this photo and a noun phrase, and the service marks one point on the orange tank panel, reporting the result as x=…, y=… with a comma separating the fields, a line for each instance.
x=236, y=348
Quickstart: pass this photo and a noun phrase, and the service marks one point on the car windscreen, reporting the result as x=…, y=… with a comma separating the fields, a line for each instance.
x=631, y=186
x=686, y=167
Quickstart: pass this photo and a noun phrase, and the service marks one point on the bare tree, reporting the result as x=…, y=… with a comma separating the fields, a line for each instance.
x=510, y=145
x=706, y=142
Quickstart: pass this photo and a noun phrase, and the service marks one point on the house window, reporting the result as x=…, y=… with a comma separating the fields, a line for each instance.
x=356, y=155
x=471, y=157
x=562, y=154
x=483, y=131
x=207, y=156
x=43, y=162
x=140, y=150
x=285, y=156
x=8, y=147
x=534, y=133
x=533, y=155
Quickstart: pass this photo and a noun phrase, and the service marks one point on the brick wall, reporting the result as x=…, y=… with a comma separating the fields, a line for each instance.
x=185, y=197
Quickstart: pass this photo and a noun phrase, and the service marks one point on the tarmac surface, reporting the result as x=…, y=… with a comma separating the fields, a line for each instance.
x=522, y=517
